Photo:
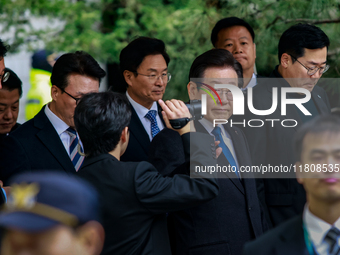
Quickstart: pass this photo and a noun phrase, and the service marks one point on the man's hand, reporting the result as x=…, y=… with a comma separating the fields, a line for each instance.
x=176, y=109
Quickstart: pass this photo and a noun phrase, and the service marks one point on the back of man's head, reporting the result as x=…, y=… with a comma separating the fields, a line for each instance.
x=12, y=82
x=299, y=37
x=229, y=22
x=100, y=119
x=3, y=49
x=134, y=53
x=215, y=58
x=78, y=62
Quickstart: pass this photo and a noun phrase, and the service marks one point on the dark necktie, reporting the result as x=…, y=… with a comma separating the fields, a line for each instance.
x=151, y=115
x=218, y=135
x=332, y=239
x=75, y=157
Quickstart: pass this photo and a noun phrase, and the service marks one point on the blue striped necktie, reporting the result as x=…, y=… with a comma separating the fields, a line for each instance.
x=151, y=115
x=218, y=135
x=332, y=239
x=76, y=158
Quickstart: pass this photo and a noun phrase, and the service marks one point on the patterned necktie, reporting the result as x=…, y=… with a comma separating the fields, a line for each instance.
x=75, y=157
x=151, y=115
x=218, y=135
x=332, y=239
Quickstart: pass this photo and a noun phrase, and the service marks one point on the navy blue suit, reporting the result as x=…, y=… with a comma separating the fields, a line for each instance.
x=35, y=145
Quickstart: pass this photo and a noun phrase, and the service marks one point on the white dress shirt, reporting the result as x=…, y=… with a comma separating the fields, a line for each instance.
x=60, y=127
x=208, y=125
x=142, y=111
x=252, y=83
x=317, y=230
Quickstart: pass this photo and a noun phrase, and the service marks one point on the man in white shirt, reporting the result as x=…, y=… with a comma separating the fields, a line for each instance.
x=144, y=63
x=49, y=140
x=317, y=230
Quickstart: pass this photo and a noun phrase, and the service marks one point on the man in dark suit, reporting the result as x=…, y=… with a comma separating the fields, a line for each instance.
x=302, y=56
x=144, y=63
x=317, y=231
x=3, y=50
x=9, y=102
x=224, y=224
x=238, y=37
x=134, y=197
x=49, y=141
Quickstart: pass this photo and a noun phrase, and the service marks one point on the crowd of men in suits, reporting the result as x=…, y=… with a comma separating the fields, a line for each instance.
x=151, y=199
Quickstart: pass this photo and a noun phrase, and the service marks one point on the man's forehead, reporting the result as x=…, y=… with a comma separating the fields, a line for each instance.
x=235, y=32
x=323, y=141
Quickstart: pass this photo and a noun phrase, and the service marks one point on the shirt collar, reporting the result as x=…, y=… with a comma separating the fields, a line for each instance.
x=316, y=227
x=252, y=82
x=140, y=109
x=208, y=125
x=59, y=125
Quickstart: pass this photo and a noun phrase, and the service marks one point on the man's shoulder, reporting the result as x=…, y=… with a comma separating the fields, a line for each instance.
x=269, y=240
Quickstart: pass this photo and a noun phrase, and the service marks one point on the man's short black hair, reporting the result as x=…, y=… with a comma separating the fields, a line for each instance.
x=3, y=49
x=229, y=22
x=299, y=37
x=100, y=119
x=78, y=62
x=134, y=53
x=320, y=124
x=13, y=82
x=219, y=58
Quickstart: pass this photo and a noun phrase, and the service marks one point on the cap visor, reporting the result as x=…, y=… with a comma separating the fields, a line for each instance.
x=26, y=221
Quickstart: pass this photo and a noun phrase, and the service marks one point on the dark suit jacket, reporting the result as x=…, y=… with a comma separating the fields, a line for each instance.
x=284, y=198
x=288, y=238
x=35, y=145
x=224, y=224
x=135, y=198
x=139, y=142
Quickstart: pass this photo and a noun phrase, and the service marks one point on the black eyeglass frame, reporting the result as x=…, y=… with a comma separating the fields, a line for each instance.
x=75, y=98
x=312, y=71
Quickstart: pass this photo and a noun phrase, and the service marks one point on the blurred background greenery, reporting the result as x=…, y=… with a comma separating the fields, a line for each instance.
x=104, y=27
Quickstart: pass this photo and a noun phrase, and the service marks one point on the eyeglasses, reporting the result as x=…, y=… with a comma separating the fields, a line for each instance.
x=166, y=77
x=313, y=70
x=75, y=98
x=5, y=77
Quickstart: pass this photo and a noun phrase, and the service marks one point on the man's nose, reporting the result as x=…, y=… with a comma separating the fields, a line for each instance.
x=8, y=114
x=237, y=48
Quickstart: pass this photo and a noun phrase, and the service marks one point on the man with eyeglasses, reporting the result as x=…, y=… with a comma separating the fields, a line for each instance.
x=144, y=64
x=3, y=50
x=302, y=61
x=49, y=141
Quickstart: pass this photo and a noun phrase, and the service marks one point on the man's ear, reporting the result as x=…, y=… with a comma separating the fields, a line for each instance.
x=255, y=49
x=127, y=76
x=92, y=236
x=55, y=91
x=285, y=58
x=193, y=91
x=125, y=135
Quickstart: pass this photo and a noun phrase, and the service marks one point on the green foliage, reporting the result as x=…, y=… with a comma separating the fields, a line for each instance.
x=103, y=28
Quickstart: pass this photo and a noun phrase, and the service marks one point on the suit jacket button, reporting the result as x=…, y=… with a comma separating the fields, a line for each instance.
x=249, y=208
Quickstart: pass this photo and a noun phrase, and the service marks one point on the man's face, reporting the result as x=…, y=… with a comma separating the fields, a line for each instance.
x=214, y=76
x=78, y=85
x=59, y=240
x=2, y=70
x=321, y=156
x=239, y=42
x=312, y=59
x=146, y=90
x=9, y=109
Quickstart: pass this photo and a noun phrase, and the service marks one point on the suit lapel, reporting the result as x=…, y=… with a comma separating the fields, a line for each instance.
x=137, y=129
x=49, y=137
x=319, y=103
x=293, y=242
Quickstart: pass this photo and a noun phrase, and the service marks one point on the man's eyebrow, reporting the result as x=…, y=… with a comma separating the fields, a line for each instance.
x=243, y=37
x=3, y=104
x=314, y=63
x=154, y=70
